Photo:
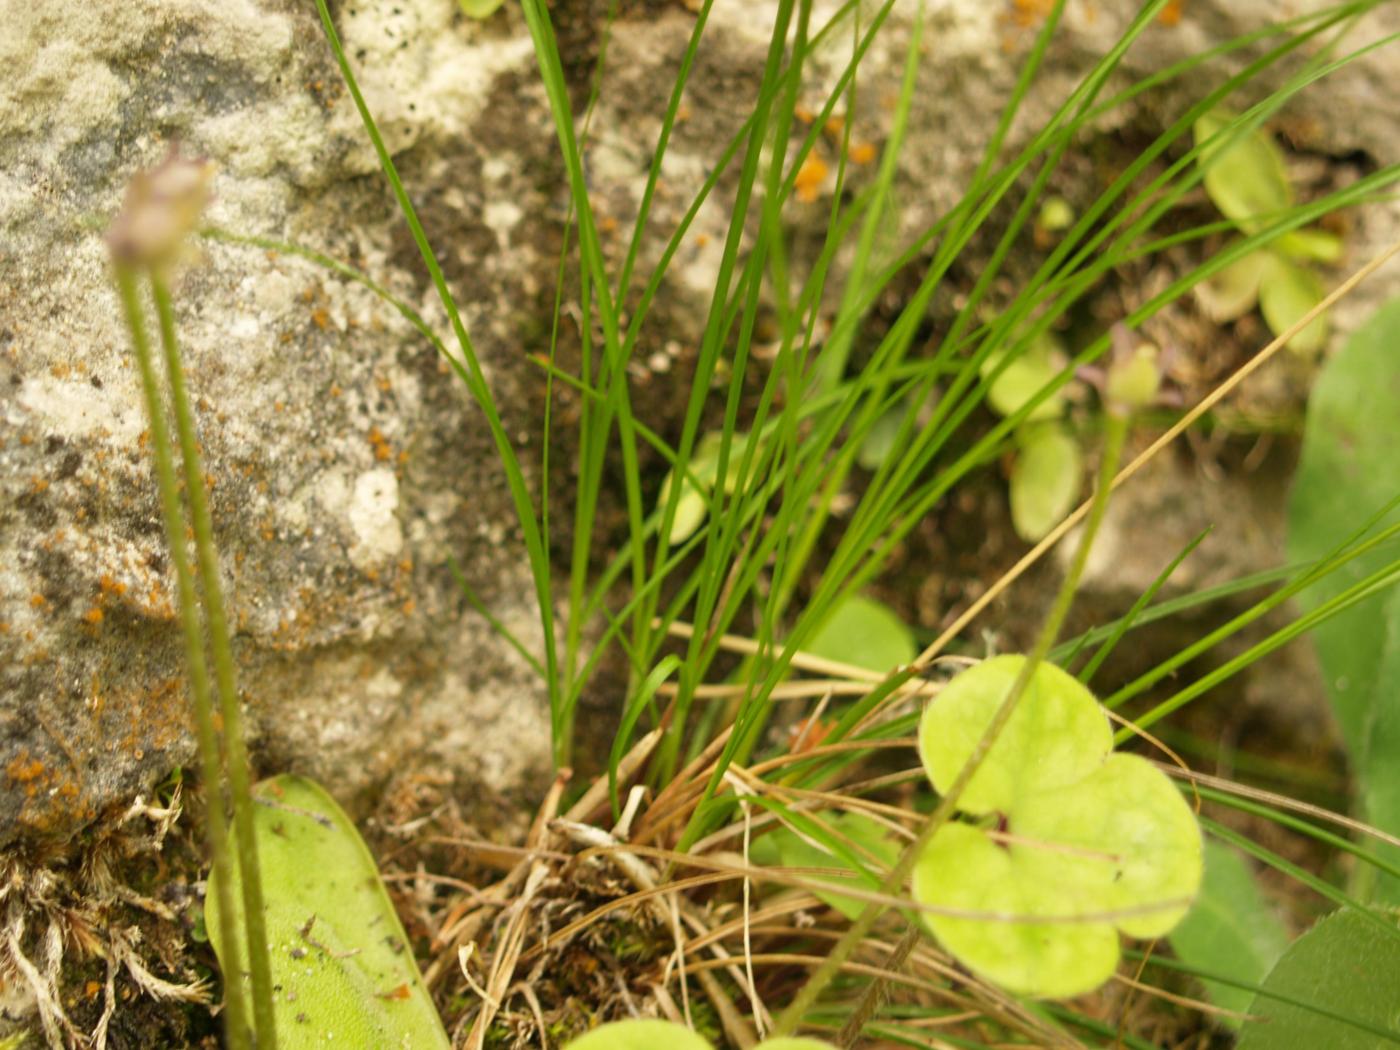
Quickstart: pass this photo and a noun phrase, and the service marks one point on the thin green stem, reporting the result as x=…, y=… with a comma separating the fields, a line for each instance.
x=235, y=1006
x=235, y=751
x=1115, y=433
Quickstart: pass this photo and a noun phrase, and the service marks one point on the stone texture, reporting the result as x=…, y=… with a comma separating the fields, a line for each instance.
x=346, y=463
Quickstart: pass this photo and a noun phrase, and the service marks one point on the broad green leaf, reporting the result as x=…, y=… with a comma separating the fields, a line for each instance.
x=1231, y=293
x=640, y=1035
x=1245, y=177
x=1310, y=245
x=480, y=8
x=866, y=633
x=1349, y=470
x=1230, y=930
x=1287, y=291
x=693, y=504
x=1337, y=987
x=1095, y=841
x=1023, y=378
x=1045, y=479
x=963, y=868
x=1057, y=736
x=341, y=962
x=869, y=837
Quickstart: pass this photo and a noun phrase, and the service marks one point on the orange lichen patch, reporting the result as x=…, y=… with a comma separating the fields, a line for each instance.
x=409, y=606
x=835, y=124
x=1027, y=13
x=38, y=601
x=380, y=444
x=1170, y=15
x=320, y=318
x=385, y=384
x=93, y=616
x=406, y=565
x=112, y=587
x=810, y=178
x=23, y=769
x=92, y=989
x=335, y=390
x=803, y=114
x=862, y=153
x=38, y=484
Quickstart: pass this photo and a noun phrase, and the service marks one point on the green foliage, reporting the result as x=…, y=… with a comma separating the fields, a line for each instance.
x=870, y=839
x=1096, y=842
x=1337, y=986
x=1231, y=929
x=664, y=1035
x=340, y=958
x=1246, y=179
x=698, y=483
x=1045, y=478
x=480, y=8
x=1348, y=472
x=1025, y=376
x=866, y=633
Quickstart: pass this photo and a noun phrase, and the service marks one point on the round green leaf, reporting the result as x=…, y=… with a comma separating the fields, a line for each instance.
x=1232, y=292
x=640, y=1035
x=1245, y=177
x=693, y=503
x=872, y=840
x=1126, y=831
x=1045, y=480
x=866, y=633
x=1058, y=734
x=963, y=869
x=1095, y=842
x=1030, y=372
x=1286, y=293
x=795, y=1043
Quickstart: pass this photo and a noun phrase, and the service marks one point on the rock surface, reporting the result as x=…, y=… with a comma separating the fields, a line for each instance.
x=346, y=463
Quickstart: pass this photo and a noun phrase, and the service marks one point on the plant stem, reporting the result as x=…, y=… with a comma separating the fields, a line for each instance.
x=235, y=751
x=1115, y=433
x=235, y=1007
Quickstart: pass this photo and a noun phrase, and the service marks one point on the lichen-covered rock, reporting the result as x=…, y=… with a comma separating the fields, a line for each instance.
x=346, y=464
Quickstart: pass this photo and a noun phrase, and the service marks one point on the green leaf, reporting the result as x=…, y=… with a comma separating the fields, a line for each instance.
x=795, y=1043
x=1246, y=177
x=1231, y=930
x=1096, y=841
x=1045, y=479
x=1337, y=987
x=341, y=962
x=1232, y=292
x=866, y=633
x=1026, y=375
x=480, y=8
x=1057, y=736
x=1349, y=470
x=693, y=504
x=640, y=1035
x=1310, y=246
x=868, y=834
x=1286, y=292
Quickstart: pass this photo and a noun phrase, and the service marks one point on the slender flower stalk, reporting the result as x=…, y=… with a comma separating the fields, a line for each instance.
x=147, y=238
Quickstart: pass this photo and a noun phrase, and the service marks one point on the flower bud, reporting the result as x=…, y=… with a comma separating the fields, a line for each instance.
x=1133, y=380
x=161, y=208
